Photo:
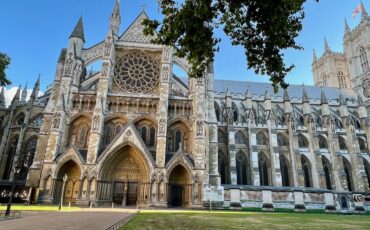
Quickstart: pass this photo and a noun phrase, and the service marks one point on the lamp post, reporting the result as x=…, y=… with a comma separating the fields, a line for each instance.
x=16, y=171
x=65, y=177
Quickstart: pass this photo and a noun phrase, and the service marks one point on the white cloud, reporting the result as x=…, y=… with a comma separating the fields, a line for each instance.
x=9, y=94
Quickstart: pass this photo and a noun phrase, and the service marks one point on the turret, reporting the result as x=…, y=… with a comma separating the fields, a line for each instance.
x=306, y=102
x=343, y=106
x=324, y=105
x=228, y=98
x=346, y=27
x=36, y=89
x=77, y=39
x=267, y=101
x=2, y=98
x=326, y=46
x=287, y=106
x=364, y=14
x=248, y=100
x=314, y=56
x=17, y=96
x=115, y=19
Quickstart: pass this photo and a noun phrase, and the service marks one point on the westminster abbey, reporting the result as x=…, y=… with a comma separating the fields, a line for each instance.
x=133, y=133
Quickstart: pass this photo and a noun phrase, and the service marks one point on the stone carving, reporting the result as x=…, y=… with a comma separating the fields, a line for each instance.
x=96, y=123
x=128, y=133
x=199, y=125
x=68, y=64
x=56, y=121
x=166, y=54
x=104, y=69
x=162, y=125
x=165, y=72
x=136, y=72
x=107, y=46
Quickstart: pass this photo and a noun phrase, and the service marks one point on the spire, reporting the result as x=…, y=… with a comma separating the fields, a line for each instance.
x=17, y=95
x=314, y=55
x=346, y=26
x=323, y=98
x=286, y=96
x=78, y=31
x=304, y=96
x=24, y=93
x=326, y=46
x=115, y=19
x=2, y=97
x=267, y=95
x=363, y=11
x=36, y=89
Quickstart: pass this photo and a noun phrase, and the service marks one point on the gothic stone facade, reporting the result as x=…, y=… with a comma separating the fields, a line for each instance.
x=133, y=133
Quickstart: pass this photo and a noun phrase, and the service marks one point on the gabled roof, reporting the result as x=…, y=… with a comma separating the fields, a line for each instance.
x=135, y=32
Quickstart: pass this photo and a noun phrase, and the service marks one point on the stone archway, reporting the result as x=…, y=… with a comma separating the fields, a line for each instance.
x=179, y=187
x=124, y=178
x=72, y=185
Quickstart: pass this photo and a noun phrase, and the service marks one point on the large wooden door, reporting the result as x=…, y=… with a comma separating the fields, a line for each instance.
x=118, y=192
x=132, y=190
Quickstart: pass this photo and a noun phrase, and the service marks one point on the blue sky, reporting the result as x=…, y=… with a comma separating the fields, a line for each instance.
x=34, y=32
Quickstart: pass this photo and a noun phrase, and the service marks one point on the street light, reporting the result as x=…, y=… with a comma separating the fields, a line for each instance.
x=16, y=170
x=65, y=177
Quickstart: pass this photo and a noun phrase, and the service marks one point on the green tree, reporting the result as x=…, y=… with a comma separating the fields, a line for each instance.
x=264, y=28
x=4, y=62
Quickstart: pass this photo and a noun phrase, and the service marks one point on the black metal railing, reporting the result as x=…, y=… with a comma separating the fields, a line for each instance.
x=120, y=223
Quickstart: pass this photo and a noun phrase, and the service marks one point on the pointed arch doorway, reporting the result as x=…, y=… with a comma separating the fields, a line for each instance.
x=179, y=187
x=124, y=178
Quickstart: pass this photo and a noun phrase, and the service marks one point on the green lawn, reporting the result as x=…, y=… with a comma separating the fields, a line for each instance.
x=194, y=220
x=38, y=208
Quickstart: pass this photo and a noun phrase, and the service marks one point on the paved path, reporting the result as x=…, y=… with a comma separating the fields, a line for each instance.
x=87, y=219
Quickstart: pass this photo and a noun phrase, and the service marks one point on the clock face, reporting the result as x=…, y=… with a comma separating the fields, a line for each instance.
x=136, y=72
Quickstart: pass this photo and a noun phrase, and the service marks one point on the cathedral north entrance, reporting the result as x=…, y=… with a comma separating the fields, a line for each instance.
x=124, y=178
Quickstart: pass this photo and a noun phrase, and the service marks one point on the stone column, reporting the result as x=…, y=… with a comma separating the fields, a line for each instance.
x=274, y=159
x=254, y=156
x=232, y=155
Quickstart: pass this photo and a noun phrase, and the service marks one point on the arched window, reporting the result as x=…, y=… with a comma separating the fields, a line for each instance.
x=341, y=81
x=152, y=137
x=240, y=138
x=367, y=171
x=241, y=168
x=342, y=143
x=306, y=168
x=323, y=144
x=302, y=141
x=222, y=166
x=363, y=59
x=221, y=137
x=284, y=167
x=327, y=171
x=27, y=157
x=178, y=139
x=143, y=134
x=263, y=169
x=282, y=140
x=301, y=120
x=217, y=111
x=20, y=119
x=362, y=144
x=347, y=171
x=9, y=160
x=108, y=134
x=261, y=139
x=37, y=121
x=81, y=139
x=235, y=112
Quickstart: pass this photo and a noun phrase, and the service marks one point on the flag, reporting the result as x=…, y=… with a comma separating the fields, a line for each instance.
x=357, y=10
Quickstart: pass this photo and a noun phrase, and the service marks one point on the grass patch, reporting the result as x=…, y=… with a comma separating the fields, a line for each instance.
x=191, y=219
x=38, y=208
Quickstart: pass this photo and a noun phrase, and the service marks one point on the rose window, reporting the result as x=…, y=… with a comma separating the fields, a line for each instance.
x=136, y=73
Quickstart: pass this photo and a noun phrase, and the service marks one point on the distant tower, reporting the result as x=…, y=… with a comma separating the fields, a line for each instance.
x=330, y=70
x=356, y=48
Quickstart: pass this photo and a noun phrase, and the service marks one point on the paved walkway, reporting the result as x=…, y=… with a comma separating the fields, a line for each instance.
x=98, y=219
